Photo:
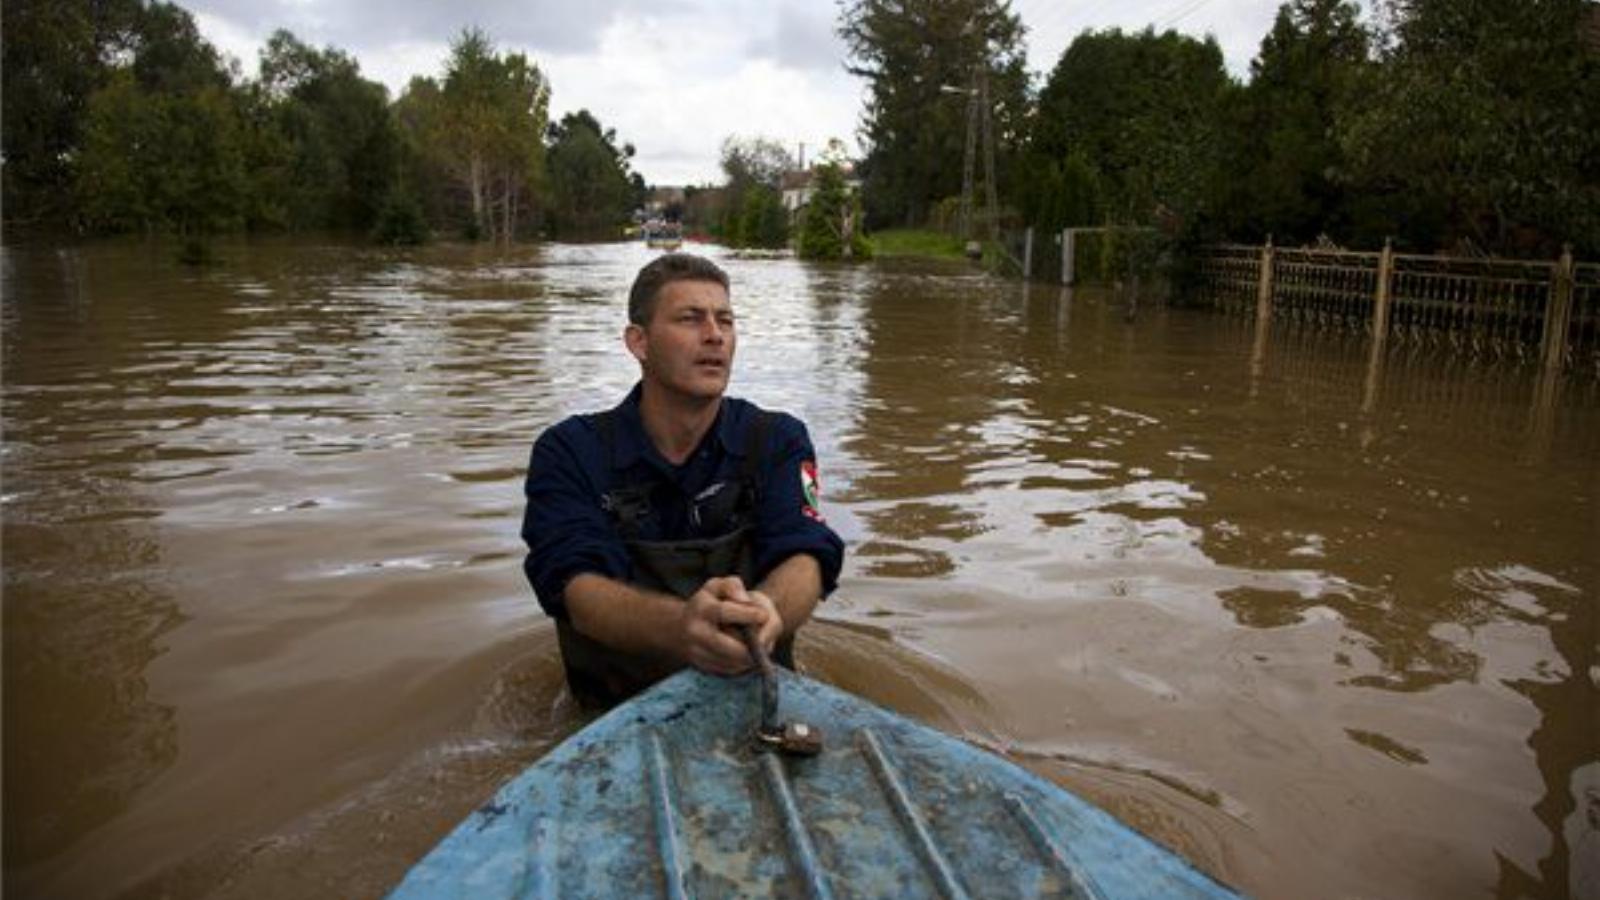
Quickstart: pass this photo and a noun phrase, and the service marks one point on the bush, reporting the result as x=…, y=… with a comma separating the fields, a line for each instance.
x=830, y=218
x=401, y=221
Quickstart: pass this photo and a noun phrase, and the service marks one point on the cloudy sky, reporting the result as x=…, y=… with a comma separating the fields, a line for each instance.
x=675, y=77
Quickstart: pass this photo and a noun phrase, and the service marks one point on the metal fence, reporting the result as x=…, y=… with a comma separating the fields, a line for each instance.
x=1324, y=290
x=1521, y=310
x=1486, y=307
x=1231, y=274
x=1583, y=335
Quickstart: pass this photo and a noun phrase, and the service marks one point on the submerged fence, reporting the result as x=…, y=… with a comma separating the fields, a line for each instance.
x=1540, y=312
x=1098, y=255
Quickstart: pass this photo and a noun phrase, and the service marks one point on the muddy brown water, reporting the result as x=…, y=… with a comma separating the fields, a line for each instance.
x=266, y=635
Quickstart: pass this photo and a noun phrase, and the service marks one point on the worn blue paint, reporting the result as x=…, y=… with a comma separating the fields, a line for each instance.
x=666, y=796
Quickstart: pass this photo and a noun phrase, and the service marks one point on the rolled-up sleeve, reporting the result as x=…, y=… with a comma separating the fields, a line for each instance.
x=787, y=522
x=563, y=525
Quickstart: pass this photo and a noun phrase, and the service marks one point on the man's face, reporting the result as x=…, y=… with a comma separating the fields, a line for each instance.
x=687, y=347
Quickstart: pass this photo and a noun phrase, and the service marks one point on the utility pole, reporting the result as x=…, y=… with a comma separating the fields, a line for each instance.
x=978, y=105
x=966, y=163
x=990, y=202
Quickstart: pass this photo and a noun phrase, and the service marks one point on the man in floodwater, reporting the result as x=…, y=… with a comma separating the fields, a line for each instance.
x=659, y=530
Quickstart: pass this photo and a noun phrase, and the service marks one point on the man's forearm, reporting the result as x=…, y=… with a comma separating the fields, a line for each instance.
x=795, y=587
x=624, y=617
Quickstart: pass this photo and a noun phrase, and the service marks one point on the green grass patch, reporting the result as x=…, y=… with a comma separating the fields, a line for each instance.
x=915, y=242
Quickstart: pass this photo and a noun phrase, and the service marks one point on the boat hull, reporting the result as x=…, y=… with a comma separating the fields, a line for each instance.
x=667, y=795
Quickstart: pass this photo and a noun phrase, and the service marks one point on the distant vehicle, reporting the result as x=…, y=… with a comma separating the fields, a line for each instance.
x=663, y=235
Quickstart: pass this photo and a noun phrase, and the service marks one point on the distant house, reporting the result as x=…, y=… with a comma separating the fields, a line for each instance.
x=798, y=186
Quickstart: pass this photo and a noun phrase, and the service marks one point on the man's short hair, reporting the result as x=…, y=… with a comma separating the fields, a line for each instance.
x=662, y=271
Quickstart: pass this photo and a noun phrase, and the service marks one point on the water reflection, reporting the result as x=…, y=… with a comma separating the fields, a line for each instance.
x=85, y=582
x=1496, y=623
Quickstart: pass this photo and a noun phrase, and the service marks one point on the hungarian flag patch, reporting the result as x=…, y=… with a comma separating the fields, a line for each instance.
x=810, y=491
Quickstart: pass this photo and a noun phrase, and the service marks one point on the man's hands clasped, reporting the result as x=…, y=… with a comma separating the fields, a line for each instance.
x=713, y=618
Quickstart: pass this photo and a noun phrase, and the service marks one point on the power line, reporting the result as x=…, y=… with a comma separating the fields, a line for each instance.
x=1181, y=12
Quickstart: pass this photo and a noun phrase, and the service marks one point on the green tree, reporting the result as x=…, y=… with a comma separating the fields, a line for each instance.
x=162, y=161
x=482, y=127
x=1140, y=117
x=161, y=144
x=119, y=116
x=55, y=54
x=336, y=131
x=592, y=190
x=1482, y=124
x=1059, y=193
x=524, y=104
x=754, y=160
x=703, y=208
x=919, y=58
x=753, y=213
x=831, y=226
x=1284, y=159
x=763, y=222
x=423, y=175
x=124, y=128
x=169, y=55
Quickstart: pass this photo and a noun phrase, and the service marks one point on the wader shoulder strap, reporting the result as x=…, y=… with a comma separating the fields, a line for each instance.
x=755, y=452
x=628, y=505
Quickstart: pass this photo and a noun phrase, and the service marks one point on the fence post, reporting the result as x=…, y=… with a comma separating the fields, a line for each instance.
x=1380, y=329
x=1380, y=299
x=1558, y=313
x=1264, y=286
x=1027, y=253
x=1069, y=250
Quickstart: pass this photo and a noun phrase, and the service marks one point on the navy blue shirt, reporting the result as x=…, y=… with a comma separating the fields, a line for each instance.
x=569, y=533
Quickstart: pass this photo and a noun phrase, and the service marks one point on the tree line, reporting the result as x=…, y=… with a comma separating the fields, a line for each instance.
x=1463, y=125
x=120, y=117
x=1442, y=124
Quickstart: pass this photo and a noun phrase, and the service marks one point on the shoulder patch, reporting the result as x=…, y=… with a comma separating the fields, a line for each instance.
x=810, y=490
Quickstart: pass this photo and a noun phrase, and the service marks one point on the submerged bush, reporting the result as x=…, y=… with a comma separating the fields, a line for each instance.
x=401, y=221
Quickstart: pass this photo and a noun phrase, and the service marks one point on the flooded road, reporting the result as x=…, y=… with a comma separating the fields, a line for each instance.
x=266, y=633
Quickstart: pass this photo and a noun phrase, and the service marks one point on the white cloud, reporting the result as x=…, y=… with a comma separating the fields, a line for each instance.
x=397, y=63
x=1238, y=25
x=677, y=105
x=231, y=40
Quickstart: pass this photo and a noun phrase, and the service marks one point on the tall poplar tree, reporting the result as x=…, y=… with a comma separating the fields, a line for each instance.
x=483, y=125
x=919, y=58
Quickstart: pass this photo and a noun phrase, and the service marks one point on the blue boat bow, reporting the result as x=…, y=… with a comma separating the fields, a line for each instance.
x=669, y=795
